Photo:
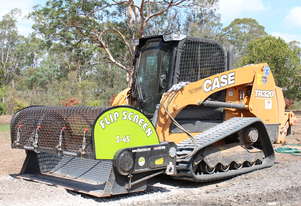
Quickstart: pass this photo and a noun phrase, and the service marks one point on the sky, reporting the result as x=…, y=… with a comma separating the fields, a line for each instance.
x=279, y=17
x=24, y=25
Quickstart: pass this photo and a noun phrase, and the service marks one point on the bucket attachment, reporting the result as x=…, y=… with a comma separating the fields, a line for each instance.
x=93, y=177
x=101, y=152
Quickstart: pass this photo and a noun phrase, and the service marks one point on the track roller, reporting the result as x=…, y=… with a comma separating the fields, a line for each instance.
x=236, y=165
x=223, y=168
x=206, y=169
x=249, y=164
x=258, y=162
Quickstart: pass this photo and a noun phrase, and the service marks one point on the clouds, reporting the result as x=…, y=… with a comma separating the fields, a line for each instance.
x=24, y=5
x=24, y=25
x=292, y=22
x=294, y=17
x=280, y=18
x=288, y=37
x=231, y=9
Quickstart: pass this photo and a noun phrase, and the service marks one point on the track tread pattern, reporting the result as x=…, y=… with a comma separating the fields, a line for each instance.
x=213, y=134
x=187, y=149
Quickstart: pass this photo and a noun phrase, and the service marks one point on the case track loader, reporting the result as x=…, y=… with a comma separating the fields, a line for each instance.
x=186, y=114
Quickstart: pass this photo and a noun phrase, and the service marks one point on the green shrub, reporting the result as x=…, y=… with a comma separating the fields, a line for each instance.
x=19, y=104
x=94, y=103
x=2, y=109
x=296, y=105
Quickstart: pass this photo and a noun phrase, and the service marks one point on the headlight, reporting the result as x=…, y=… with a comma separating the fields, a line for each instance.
x=124, y=162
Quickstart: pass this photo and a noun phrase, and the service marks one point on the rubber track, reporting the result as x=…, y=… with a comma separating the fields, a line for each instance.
x=188, y=148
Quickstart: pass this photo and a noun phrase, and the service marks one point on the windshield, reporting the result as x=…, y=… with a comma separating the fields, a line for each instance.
x=152, y=74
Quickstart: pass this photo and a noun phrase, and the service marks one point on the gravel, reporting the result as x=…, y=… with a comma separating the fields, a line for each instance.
x=279, y=185
x=275, y=186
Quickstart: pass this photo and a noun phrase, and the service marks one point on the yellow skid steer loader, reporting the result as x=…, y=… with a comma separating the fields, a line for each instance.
x=186, y=114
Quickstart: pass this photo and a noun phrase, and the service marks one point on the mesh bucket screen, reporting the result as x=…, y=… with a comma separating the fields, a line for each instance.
x=66, y=129
x=200, y=59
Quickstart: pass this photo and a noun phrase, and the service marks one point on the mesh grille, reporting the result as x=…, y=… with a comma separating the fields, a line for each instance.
x=45, y=126
x=200, y=59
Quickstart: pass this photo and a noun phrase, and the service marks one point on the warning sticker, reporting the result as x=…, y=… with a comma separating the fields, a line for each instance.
x=268, y=104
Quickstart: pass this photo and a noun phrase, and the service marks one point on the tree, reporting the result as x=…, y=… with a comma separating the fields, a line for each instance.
x=203, y=20
x=112, y=25
x=240, y=32
x=17, y=52
x=9, y=40
x=295, y=46
x=283, y=61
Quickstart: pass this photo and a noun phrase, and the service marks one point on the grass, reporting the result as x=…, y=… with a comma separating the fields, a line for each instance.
x=4, y=127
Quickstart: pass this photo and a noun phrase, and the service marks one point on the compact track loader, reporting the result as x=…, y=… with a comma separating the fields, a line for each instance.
x=187, y=115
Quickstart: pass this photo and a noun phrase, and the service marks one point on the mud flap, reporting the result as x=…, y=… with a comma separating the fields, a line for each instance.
x=93, y=177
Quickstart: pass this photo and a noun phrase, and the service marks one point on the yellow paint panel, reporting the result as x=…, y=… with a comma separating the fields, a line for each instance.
x=121, y=98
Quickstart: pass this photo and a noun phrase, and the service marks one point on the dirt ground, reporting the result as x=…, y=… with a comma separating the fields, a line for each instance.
x=5, y=119
x=278, y=185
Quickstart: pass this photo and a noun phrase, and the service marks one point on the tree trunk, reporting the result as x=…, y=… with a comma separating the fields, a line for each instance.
x=13, y=83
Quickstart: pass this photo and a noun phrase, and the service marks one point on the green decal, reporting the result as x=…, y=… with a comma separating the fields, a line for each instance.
x=122, y=127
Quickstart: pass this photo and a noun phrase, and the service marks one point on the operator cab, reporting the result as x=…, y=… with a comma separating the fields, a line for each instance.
x=162, y=61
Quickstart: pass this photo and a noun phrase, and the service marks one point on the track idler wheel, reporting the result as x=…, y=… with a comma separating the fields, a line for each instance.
x=249, y=136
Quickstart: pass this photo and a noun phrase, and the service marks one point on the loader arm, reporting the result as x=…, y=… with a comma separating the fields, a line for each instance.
x=195, y=93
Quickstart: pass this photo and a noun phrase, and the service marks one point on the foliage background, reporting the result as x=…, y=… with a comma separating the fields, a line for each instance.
x=81, y=52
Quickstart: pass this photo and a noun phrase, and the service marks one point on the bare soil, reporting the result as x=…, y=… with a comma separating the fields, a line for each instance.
x=5, y=119
x=278, y=185
x=10, y=160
